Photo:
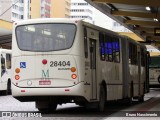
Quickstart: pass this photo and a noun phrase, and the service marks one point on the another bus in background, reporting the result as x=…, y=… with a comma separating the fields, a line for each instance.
x=154, y=70
x=5, y=79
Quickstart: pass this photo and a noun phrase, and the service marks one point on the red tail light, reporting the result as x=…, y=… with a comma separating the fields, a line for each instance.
x=74, y=76
x=17, y=77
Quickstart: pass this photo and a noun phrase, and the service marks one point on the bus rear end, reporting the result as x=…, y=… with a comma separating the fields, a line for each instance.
x=154, y=72
x=44, y=61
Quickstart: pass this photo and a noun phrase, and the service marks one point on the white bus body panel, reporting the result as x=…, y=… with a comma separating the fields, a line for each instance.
x=35, y=71
x=68, y=91
x=60, y=76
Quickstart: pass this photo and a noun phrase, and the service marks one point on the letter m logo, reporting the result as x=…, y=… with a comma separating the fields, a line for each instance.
x=45, y=74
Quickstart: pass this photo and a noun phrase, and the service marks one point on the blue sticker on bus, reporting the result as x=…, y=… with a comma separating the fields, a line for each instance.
x=22, y=64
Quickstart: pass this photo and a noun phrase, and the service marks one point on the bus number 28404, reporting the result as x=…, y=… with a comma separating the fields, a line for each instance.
x=59, y=63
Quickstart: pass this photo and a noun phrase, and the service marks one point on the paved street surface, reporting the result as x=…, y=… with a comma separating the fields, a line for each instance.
x=113, y=111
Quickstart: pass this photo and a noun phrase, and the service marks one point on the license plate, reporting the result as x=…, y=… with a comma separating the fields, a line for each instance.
x=45, y=82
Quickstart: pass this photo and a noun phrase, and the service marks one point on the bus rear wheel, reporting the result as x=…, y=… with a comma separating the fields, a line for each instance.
x=48, y=109
x=159, y=79
x=46, y=106
x=141, y=98
x=9, y=91
x=102, y=99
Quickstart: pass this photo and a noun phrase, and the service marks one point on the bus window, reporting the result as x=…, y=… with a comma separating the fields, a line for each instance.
x=45, y=37
x=154, y=63
x=108, y=48
x=142, y=57
x=133, y=54
x=3, y=67
x=116, y=50
x=102, y=48
x=8, y=61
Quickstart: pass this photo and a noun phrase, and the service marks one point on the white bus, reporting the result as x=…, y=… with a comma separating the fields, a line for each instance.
x=58, y=61
x=154, y=71
x=5, y=79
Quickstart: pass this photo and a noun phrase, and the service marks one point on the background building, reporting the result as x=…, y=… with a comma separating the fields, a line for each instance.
x=40, y=9
x=50, y=9
x=60, y=8
x=82, y=10
x=31, y=9
x=20, y=10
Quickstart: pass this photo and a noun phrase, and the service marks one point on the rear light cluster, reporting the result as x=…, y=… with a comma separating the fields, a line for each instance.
x=74, y=76
x=17, y=70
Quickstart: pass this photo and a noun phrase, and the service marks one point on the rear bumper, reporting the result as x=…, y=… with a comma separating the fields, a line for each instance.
x=76, y=90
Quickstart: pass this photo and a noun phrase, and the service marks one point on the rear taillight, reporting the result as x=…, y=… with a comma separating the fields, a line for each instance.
x=17, y=70
x=17, y=77
x=74, y=76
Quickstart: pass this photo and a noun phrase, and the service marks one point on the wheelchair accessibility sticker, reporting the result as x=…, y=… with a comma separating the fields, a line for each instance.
x=22, y=64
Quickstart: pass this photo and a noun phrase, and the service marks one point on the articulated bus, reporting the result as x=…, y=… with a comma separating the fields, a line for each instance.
x=57, y=61
x=154, y=70
x=5, y=79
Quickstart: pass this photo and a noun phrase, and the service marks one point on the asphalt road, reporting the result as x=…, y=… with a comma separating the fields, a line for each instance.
x=113, y=110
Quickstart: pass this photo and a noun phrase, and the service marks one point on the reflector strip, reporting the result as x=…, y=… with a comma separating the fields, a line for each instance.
x=67, y=89
x=23, y=91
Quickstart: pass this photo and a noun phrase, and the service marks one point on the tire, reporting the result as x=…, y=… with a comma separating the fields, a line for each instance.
x=129, y=100
x=3, y=92
x=8, y=91
x=159, y=79
x=81, y=104
x=141, y=98
x=42, y=109
x=46, y=107
x=102, y=99
x=51, y=108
